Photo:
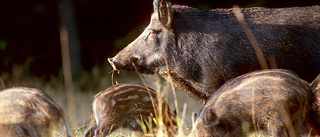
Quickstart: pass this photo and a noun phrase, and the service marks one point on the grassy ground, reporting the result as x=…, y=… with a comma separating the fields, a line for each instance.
x=85, y=87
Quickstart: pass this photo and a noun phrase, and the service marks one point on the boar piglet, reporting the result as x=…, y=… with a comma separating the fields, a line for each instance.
x=28, y=112
x=121, y=105
x=200, y=50
x=17, y=130
x=313, y=117
x=271, y=102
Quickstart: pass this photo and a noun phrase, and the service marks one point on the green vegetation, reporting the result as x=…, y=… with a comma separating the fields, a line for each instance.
x=3, y=45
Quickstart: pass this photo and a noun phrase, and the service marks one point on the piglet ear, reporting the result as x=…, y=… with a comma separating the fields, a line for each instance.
x=194, y=116
x=163, y=8
x=211, y=117
x=175, y=112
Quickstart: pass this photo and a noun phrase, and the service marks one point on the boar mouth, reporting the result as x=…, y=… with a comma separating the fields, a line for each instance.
x=133, y=66
x=112, y=64
x=117, y=66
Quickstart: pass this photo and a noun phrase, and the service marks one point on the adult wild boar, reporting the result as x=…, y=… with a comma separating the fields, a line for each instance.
x=271, y=101
x=204, y=49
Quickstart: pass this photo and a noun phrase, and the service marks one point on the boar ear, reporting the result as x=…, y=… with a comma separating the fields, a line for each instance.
x=163, y=8
x=211, y=117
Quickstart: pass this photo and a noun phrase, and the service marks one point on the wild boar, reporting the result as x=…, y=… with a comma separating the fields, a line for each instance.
x=121, y=105
x=273, y=101
x=201, y=50
x=28, y=112
x=313, y=117
x=17, y=130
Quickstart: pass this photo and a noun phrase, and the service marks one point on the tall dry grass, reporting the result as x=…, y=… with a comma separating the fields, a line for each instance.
x=89, y=84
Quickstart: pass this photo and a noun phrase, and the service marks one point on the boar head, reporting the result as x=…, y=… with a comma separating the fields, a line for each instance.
x=172, y=47
x=147, y=53
x=206, y=124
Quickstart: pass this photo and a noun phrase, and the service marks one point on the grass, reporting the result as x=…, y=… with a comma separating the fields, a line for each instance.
x=90, y=83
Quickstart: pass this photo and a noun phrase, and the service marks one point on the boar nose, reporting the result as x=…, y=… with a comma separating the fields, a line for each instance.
x=110, y=60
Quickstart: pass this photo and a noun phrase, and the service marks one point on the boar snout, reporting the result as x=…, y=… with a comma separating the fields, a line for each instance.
x=110, y=60
x=125, y=65
x=132, y=62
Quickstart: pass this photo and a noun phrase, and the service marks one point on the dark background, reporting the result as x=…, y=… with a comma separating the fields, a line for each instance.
x=98, y=29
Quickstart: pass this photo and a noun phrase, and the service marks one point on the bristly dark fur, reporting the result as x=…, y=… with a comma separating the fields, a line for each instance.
x=313, y=117
x=204, y=49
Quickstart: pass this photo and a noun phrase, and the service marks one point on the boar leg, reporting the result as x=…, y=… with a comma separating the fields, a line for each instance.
x=105, y=130
x=29, y=131
x=277, y=129
x=90, y=131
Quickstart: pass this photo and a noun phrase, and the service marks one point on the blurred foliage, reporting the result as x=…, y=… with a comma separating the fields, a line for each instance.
x=204, y=7
x=257, y=3
x=132, y=35
x=3, y=45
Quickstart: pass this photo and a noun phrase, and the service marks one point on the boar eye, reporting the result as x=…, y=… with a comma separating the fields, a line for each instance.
x=156, y=31
x=153, y=32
